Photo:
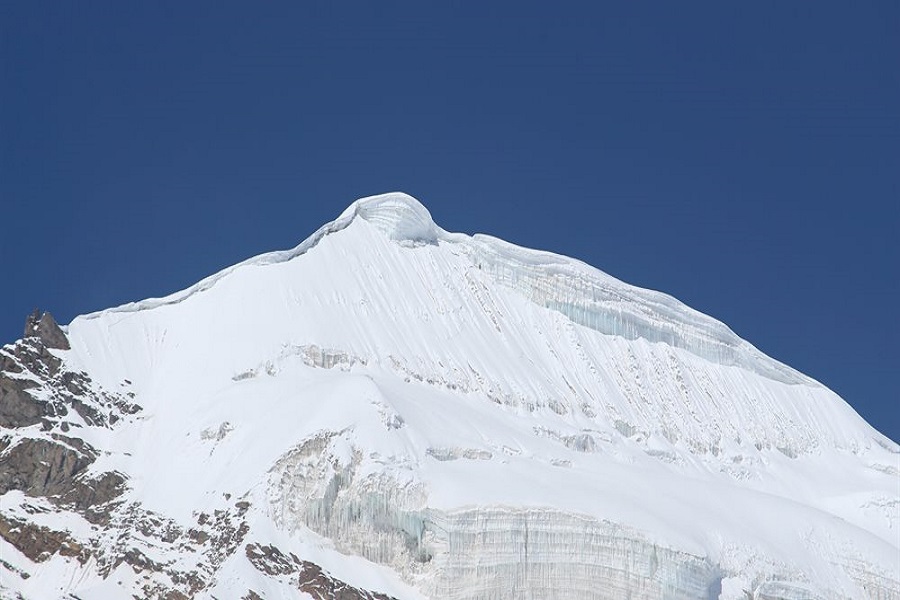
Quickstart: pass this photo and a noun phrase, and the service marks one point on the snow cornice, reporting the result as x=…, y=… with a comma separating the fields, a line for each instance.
x=584, y=294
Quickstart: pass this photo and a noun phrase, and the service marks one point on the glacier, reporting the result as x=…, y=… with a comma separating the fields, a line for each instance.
x=428, y=414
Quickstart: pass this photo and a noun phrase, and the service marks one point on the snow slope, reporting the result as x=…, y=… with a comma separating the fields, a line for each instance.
x=429, y=414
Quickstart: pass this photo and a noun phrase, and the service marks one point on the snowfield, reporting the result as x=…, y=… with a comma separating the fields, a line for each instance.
x=425, y=414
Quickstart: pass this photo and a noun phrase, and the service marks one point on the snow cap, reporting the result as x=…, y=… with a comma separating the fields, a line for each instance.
x=400, y=216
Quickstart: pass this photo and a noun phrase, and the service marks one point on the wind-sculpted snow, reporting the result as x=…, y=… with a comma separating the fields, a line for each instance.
x=582, y=293
x=420, y=413
x=600, y=302
x=400, y=217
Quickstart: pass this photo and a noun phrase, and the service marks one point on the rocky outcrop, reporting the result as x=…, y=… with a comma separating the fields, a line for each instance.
x=42, y=467
x=57, y=470
x=43, y=402
x=308, y=577
x=45, y=328
x=40, y=543
x=37, y=388
x=44, y=405
x=17, y=407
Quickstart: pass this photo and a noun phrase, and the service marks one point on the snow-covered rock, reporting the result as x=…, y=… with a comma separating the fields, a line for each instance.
x=407, y=412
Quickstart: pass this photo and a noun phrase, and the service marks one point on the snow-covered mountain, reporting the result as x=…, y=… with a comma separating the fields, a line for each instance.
x=390, y=410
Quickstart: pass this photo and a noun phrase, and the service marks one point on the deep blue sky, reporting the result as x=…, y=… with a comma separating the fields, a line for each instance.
x=743, y=158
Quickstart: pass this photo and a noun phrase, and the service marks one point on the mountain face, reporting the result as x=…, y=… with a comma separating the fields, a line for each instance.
x=390, y=410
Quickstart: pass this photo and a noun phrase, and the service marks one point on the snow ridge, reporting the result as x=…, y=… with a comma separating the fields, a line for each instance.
x=583, y=293
x=399, y=216
x=422, y=413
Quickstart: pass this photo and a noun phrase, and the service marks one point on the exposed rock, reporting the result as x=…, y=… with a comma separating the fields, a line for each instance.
x=50, y=461
x=322, y=586
x=41, y=467
x=13, y=569
x=40, y=543
x=139, y=561
x=135, y=535
x=153, y=526
x=199, y=536
x=17, y=407
x=310, y=578
x=225, y=533
x=44, y=327
x=93, y=496
x=269, y=560
x=56, y=470
x=35, y=388
x=158, y=591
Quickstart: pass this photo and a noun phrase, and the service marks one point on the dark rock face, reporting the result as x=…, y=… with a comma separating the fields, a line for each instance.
x=44, y=327
x=41, y=467
x=95, y=497
x=41, y=401
x=17, y=407
x=308, y=577
x=138, y=532
x=35, y=388
x=43, y=407
x=40, y=543
x=318, y=584
x=56, y=469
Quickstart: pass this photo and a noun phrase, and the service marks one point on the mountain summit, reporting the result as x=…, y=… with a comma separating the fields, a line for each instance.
x=390, y=410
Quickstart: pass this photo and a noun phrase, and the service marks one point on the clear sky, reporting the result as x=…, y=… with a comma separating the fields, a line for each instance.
x=742, y=157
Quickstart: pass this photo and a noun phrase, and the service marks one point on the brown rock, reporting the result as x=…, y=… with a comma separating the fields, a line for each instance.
x=40, y=543
x=45, y=327
x=311, y=578
x=17, y=407
x=40, y=467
